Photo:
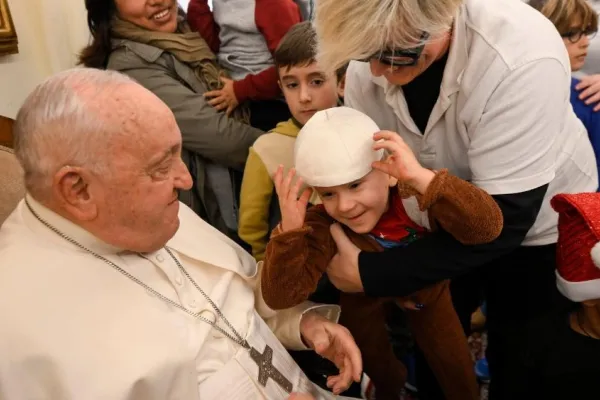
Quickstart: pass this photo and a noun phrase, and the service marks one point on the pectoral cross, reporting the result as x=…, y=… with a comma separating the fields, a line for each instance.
x=267, y=370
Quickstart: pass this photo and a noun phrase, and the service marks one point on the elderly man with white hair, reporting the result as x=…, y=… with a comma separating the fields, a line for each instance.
x=112, y=289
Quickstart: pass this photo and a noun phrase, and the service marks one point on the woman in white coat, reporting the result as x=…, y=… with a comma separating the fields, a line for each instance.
x=481, y=88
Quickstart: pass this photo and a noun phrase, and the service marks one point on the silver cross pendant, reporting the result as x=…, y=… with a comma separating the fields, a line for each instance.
x=267, y=370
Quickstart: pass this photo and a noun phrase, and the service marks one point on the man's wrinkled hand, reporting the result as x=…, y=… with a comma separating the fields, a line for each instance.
x=224, y=98
x=334, y=342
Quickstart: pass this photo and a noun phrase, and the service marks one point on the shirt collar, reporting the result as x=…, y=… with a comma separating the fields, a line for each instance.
x=64, y=226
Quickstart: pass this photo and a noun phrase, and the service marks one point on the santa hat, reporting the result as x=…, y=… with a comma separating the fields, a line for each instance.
x=335, y=147
x=578, y=252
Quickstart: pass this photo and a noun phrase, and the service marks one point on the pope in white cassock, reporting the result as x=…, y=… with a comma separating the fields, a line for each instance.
x=112, y=289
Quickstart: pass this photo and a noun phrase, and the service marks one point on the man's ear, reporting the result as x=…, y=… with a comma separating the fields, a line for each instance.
x=71, y=188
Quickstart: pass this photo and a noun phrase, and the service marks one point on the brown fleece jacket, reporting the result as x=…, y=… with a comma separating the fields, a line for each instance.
x=296, y=260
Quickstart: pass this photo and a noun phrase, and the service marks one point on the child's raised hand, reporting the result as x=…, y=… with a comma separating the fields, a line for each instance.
x=292, y=206
x=224, y=98
x=402, y=163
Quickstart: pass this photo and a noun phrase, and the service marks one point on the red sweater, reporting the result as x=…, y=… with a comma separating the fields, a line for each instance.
x=273, y=18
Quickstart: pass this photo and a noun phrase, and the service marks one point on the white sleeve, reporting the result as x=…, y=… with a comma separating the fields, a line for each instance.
x=513, y=146
x=285, y=324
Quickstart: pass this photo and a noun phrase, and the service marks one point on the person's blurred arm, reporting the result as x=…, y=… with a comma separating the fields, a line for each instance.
x=255, y=200
x=404, y=270
x=201, y=20
x=273, y=18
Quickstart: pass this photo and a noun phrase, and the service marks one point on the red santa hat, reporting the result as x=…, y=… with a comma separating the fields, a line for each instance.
x=578, y=252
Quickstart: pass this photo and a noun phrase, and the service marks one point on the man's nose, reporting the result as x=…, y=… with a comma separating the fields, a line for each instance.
x=183, y=179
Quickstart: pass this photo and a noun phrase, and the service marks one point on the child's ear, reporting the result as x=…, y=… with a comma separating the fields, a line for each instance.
x=341, y=86
x=279, y=84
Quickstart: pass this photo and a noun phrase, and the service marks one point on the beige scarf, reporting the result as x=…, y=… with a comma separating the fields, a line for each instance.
x=188, y=47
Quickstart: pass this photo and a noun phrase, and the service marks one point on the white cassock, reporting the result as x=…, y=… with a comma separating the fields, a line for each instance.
x=73, y=327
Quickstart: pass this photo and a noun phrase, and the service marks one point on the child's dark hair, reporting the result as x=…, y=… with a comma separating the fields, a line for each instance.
x=299, y=48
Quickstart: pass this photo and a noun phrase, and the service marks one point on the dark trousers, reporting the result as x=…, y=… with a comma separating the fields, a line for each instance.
x=518, y=288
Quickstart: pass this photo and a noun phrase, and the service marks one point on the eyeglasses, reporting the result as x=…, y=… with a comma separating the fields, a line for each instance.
x=575, y=36
x=400, y=57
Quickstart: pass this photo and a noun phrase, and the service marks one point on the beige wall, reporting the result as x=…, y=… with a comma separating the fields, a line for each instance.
x=51, y=32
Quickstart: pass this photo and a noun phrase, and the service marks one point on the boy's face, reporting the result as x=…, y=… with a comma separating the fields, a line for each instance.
x=577, y=49
x=307, y=89
x=360, y=204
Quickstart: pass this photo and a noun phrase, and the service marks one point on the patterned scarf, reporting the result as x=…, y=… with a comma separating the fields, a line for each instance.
x=189, y=48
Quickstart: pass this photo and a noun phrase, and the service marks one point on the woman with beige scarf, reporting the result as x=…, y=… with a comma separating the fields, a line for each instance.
x=149, y=41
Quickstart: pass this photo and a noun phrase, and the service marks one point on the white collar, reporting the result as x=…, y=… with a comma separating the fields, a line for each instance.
x=66, y=227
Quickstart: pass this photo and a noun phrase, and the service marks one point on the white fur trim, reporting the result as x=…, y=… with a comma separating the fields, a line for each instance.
x=578, y=291
x=595, y=253
x=411, y=206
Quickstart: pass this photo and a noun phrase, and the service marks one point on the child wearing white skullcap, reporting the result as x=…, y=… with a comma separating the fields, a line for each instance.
x=336, y=154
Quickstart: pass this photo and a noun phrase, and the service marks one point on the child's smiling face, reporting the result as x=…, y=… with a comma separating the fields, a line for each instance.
x=359, y=204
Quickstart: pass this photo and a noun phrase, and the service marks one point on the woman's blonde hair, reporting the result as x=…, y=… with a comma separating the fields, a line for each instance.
x=565, y=13
x=356, y=29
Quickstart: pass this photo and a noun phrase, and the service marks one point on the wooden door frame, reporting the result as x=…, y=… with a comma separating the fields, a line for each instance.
x=6, y=134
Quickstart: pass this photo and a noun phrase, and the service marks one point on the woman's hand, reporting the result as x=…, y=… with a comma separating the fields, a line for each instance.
x=224, y=98
x=402, y=163
x=589, y=90
x=292, y=206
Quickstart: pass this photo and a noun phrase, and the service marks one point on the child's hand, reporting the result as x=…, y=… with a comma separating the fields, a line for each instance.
x=402, y=163
x=223, y=99
x=293, y=208
x=589, y=90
